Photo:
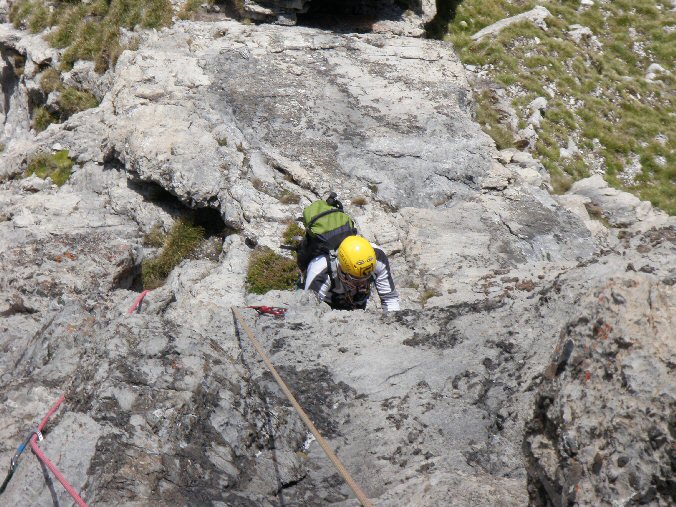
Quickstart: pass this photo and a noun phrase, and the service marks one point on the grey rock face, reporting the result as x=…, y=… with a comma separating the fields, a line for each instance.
x=308, y=104
x=171, y=406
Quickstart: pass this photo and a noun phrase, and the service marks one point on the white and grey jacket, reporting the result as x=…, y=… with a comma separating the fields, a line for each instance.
x=328, y=287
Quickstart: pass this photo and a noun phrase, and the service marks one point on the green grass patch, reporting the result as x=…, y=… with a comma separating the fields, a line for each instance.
x=600, y=97
x=70, y=100
x=155, y=237
x=50, y=80
x=189, y=9
x=90, y=31
x=182, y=240
x=489, y=119
x=56, y=166
x=270, y=271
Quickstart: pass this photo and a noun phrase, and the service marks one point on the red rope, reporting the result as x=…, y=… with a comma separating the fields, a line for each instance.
x=49, y=464
x=137, y=302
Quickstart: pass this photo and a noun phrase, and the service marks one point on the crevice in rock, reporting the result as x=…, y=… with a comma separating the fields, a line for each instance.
x=210, y=219
x=438, y=26
x=256, y=407
x=9, y=80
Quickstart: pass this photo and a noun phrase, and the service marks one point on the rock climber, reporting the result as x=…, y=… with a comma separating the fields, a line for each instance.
x=344, y=281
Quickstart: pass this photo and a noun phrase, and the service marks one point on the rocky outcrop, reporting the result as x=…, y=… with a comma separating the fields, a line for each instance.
x=537, y=16
x=171, y=405
x=322, y=83
x=603, y=423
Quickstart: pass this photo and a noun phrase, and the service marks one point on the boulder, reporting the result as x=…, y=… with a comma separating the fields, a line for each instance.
x=621, y=209
x=582, y=34
x=537, y=16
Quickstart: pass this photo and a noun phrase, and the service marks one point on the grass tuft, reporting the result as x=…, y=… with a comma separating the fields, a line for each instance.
x=56, y=166
x=73, y=101
x=289, y=197
x=360, y=200
x=489, y=119
x=189, y=9
x=183, y=239
x=50, y=80
x=70, y=100
x=292, y=231
x=270, y=271
x=155, y=237
x=427, y=295
x=42, y=118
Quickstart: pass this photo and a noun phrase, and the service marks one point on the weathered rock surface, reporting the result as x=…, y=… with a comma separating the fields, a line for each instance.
x=306, y=103
x=172, y=406
x=603, y=426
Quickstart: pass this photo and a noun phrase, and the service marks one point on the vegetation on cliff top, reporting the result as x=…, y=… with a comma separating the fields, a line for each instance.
x=89, y=30
x=599, y=95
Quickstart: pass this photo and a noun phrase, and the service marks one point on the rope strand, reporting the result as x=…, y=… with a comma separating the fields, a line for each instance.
x=40, y=455
x=363, y=499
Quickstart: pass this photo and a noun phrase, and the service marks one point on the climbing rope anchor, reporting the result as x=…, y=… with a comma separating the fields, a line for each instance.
x=275, y=311
x=33, y=437
x=14, y=462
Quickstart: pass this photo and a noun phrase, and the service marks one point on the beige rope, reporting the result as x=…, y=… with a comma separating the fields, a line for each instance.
x=325, y=446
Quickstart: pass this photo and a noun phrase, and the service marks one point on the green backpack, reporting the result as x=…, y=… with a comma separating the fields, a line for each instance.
x=326, y=226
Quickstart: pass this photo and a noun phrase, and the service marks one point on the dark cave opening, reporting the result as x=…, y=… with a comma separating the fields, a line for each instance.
x=210, y=219
x=207, y=218
x=353, y=15
x=359, y=16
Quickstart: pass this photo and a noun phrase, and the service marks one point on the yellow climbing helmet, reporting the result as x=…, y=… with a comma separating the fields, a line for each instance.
x=356, y=257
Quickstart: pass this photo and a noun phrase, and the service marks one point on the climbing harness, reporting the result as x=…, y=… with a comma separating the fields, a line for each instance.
x=275, y=311
x=359, y=493
x=33, y=437
x=137, y=304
